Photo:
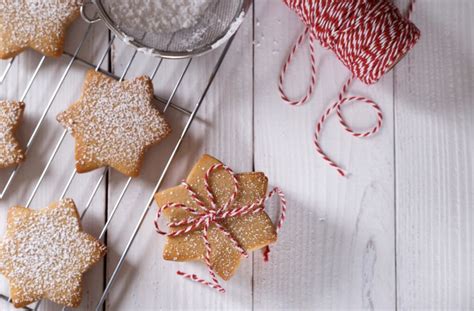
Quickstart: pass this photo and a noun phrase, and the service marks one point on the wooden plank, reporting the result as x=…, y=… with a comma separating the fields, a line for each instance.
x=336, y=250
x=55, y=179
x=435, y=196
x=223, y=128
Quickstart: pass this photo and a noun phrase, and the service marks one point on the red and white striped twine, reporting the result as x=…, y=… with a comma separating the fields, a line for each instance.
x=368, y=36
x=312, y=81
x=205, y=216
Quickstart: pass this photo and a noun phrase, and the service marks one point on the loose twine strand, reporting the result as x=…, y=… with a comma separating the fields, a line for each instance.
x=368, y=36
x=206, y=216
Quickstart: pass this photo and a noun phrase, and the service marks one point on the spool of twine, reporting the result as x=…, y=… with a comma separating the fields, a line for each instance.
x=368, y=36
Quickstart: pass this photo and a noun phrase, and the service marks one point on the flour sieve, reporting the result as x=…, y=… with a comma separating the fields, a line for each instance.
x=219, y=21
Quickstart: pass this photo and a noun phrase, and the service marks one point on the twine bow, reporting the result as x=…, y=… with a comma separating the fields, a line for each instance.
x=212, y=215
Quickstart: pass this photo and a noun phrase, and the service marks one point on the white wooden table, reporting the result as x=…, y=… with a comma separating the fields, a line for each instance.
x=398, y=233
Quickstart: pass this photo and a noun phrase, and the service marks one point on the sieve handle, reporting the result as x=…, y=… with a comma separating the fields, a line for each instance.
x=87, y=19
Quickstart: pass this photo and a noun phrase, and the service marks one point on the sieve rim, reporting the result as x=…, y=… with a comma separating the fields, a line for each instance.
x=226, y=35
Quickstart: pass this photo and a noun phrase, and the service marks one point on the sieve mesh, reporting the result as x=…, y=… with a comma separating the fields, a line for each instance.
x=213, y=25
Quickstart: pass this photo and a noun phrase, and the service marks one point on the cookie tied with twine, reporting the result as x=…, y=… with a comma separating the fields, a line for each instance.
x=217, y=217
x=368, y=36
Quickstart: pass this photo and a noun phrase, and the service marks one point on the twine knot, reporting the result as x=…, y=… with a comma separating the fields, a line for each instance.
x=203, y=217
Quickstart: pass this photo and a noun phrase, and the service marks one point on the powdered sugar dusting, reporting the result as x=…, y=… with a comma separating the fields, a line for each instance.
x=251, y=231
x=10, y=150
x=158, y=16
x=39, y=24
x=114, y=123
x=45, y=252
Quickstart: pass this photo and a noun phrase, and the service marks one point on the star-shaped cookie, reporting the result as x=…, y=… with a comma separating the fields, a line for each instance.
x=252, y=231
x=114, y=123
x=44, y=254
x=11, y=113
x=37, y=24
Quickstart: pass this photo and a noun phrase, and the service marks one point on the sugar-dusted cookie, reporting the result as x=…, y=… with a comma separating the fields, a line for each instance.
x=44, y=254
x=11, y=113
x=37, y=24
x=114, y=123
x=252, y=231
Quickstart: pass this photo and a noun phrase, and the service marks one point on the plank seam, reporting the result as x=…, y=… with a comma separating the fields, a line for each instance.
x=253, y=139
x=395, y=223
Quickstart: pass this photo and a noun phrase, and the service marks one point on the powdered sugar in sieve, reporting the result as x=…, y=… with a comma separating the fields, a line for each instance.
x=165, y=16
x=173, y=28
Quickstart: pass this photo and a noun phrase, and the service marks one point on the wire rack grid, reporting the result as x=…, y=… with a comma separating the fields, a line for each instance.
x=165, y=102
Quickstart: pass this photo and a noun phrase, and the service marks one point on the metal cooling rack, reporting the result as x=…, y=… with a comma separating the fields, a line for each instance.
x=165, y=102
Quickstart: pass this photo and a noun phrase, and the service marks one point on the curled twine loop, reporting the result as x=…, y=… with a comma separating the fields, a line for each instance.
x=307, y=12
x=212, y=215
x=312, y=57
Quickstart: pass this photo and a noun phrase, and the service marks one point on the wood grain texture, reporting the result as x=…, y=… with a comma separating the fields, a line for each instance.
x=434, y=148
x=337, y=249
x=397, y=233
